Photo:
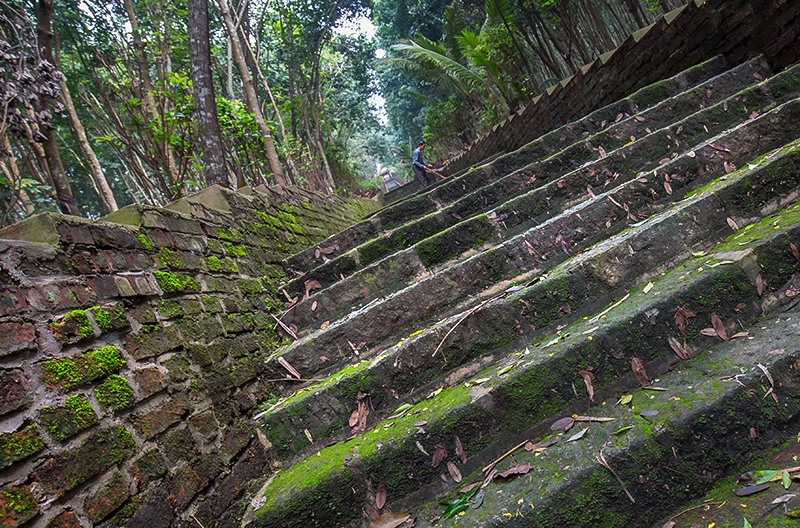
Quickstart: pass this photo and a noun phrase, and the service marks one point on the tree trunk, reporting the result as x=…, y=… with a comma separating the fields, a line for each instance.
x=251, y=99
x=44, y=32
x=95, y=170
x=203, y=94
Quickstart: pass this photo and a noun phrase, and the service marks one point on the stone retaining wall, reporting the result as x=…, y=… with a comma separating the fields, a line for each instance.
x=132, y=355
x=680, y=39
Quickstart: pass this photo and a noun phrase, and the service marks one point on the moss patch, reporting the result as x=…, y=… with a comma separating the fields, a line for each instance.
x=173, y=283
x=19, y=445
x=76, y=415
x=81, y=368
x=115, y=392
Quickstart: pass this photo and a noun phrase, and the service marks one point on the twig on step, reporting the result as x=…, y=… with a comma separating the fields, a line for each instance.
x=286, y=328
x=602, y=461
x=497, y=461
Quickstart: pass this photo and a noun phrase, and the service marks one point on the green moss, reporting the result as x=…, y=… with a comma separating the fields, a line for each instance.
x=173, y=283
x=80, y=368
x=76, y=415
x=106, y=320
x=166, y=258
x=19, y=445
x=235, y=251
x=17, y=505
x=250, y=286
x=115, y=392
x=145, y=242
x=212, y=263
x=74, y=324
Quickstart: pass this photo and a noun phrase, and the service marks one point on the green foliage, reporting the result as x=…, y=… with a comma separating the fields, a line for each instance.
x=173, y=283
x=115, y=392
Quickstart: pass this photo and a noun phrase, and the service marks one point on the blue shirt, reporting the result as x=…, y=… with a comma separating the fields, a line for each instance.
x=416, y=159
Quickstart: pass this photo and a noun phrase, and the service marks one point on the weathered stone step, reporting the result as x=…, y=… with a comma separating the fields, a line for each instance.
x=559, y=235
x=558, y=175
x=535, y=385
x=571, y=290
x=456, y=186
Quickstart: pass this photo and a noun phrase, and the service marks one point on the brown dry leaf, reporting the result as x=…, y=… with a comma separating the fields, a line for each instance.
x=619, y=116
x=316, y=253
x=589, y=190
x=363, y=413
x=708, y=332
x=733, y=224
x=753, y=433
x=668, y=188
x=729, y=167
x=308, y=435
x=760, y=285
x=314, y=306
x=370, y=512
x=676, y=347
x=311, y=285
x=389, y=520
x=639, y=118
x=638, y=370
x=438, y=455
x=285, y=364
x=691, y=154
x=587, y=380
x=602, y=152
x=460, y=451
x=454, y=472
x=719, y=146
x=792, y=291
x=519, y=469
x=663, y=161
x=795, y=252
x=353, y=418
x=419, y=446
x=529, y=446
x=327, y=250
x=380, y=496
x=719, y=327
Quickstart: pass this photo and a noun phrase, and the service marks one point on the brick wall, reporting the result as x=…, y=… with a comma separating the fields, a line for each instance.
x=682, y=38
x=132, y=355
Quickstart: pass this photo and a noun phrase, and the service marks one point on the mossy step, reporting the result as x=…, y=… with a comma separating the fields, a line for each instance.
x=570, y=290
x=502, y=402
x=578, y=227
x=445, y=192
x=597, y=168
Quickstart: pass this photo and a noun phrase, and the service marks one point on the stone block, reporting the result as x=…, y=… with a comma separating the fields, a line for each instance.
x=81, y=368
x=177, y=366
x=153, y=422
x=107, y=499
x=15, y=337
x=76, y=415
x=148, y=467
x=203, y=424
x=249, y=466
x=19, y=445
x=106, y=287
x=14, y=393
x=17, y=506
x=153, y=340
x=96, y=454
x=236, y=437
x=65, y=519
x=73, y=327
x=150, y=381
x=179, y=445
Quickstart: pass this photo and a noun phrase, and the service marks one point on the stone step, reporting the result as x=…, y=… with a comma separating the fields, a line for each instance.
x=445, y=192
x=586, y=223
x=570, y=290
x=519, y=396
x=596, y=167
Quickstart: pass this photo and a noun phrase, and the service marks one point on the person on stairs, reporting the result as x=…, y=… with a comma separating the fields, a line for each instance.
x=420, y=172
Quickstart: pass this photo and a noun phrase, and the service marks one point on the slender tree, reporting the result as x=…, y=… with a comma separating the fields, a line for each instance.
x=204, y=100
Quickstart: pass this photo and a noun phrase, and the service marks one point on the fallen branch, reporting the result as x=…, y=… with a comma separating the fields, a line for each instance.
x=694, y=508
x=493, y=464
x=602, y=461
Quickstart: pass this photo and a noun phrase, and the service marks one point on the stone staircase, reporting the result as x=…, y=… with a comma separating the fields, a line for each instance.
x=647, y=248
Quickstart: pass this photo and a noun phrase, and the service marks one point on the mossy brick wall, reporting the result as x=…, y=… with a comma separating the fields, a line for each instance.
x=736, y=29
x=132, y=355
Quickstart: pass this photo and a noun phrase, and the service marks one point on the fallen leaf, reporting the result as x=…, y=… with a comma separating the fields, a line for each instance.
x=619, y=116
x=668, y=188
x=795, y=251
x=767, y=374
x=380, y=496
x=314, y=306
x=670, y=524
x=639, y=118
x=638, y=370
x=327, y=250
x=750, y=490
x=729, y=167
x=549, y=443
x=663, y=161
x=602, y=152
x=792, y=291
x=563, y=423
x=626, y=399
x=308, y=435
x=710, y=332
x=467, y=489
x=478, y=500
x=353, y=418
x=719, y=327
x=519, y=469
x=454, y=472
x=311, y=285
x=677, y=348
x=587, y=380
x=691, y=154
x=760, y=285
x=592, y=418
x=389, y=520
x=578, y=435
x=719, y=146
x=529, y=446
x=438, y=455
x=285, y=364
x=647, y=414
x=733, y=224
x=419, y=446
x=460, y=451
x=784, y=498
x=371, y=512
